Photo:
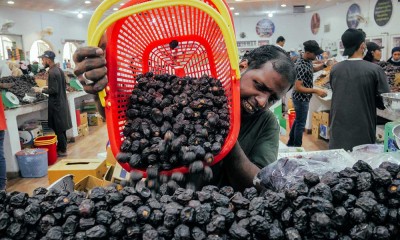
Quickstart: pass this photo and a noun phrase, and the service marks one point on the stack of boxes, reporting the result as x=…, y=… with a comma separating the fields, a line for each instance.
x=83, y=128
x=320, y=125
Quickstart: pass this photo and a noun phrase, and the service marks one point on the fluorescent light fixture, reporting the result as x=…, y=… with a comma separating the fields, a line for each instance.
x=236, y=13
x=10, y=2
x=88, y=2
x=270, y=14
x=121, y=4
x=51, y=9
x=80, y=15
x=232, y=8
x=308, y=6
x=238, y=0
x=115, y=9
x=283, y=5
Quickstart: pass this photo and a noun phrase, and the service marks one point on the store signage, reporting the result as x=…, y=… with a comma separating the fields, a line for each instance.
x=383, y=12
x=315, y=23
x=265, y=28
x=353, y=16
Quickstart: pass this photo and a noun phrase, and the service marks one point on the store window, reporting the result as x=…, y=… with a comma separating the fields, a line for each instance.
x=68, y=53
x=5, y=46
x=37, y=49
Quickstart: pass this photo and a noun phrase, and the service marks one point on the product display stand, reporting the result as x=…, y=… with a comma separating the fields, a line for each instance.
x=23, y=113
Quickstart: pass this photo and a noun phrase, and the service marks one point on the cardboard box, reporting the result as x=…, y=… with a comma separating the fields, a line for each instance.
x=290, y=104
x=88, y=183
x=110, y=157
x=41, y=82
x=324, y=131
x=315, y=132
x=119, y=174
x=84, y=118
x=83, y=130
x=80, y=168
x=316, y=116
x=95, y=119
x=325, y=118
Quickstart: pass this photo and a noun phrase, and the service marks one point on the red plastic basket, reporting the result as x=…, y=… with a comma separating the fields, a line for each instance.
x=139, y=43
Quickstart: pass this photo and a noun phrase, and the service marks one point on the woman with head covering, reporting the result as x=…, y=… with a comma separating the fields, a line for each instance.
x=374, y=53
x=395, y=58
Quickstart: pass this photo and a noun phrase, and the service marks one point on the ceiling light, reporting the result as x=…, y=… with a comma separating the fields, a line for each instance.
x=88, y=2
x=51, y=9
x=308, y=6
x=283, y=5
x=232, y=8
x=115, y=9
x=270, y=14
x=80, y=15
x=238, y=0
x=10, y=2
x=236, y=13
x=121, y=4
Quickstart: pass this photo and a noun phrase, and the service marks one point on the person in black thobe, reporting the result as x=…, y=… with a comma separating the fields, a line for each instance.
x=59, y=115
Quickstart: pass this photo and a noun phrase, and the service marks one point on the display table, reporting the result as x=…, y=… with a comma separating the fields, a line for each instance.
x=18, y=116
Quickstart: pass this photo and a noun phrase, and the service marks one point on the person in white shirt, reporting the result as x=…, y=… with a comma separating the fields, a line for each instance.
x=280, y=42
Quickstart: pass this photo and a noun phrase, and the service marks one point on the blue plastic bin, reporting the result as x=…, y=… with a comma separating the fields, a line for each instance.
x=32, y=162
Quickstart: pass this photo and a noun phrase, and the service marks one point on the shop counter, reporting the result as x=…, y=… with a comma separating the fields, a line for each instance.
x=17, y=116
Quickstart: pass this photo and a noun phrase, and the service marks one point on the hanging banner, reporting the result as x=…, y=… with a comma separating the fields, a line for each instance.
x=265, y=28
x=315, y=23
x=353, y=15
x=383, y=12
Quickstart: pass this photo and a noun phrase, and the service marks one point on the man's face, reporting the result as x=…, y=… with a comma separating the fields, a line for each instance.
x=260, y=88
x=396, y=56
x=310, y=56
x=377, y=54
x=282, y=43
x=45, y=62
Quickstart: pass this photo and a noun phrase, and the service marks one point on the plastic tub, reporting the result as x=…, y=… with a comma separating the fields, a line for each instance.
x=50, y=143
x=32, y=162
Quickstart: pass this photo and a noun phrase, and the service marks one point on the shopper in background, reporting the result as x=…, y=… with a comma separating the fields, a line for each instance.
x=395, y=58
x=303, y=90
x=266, y=75
x=374, y=53
x=280, y=42
x=58, y=111
x=356, y=87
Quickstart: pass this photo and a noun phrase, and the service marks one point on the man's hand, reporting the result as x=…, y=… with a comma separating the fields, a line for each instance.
x=37, y=89
x=91, y=64
x=321, y=93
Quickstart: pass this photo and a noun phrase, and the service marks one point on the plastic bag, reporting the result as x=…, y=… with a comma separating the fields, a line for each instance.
x=288, y=171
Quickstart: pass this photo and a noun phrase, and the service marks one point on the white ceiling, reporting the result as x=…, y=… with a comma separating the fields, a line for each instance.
x=244, y=7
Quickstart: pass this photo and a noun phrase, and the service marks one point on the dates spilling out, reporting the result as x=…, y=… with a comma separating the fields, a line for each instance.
x=174, y=122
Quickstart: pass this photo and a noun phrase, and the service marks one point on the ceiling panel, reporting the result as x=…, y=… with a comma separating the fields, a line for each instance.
x=244, y=7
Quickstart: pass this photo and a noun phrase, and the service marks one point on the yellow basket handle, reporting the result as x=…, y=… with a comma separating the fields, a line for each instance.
x=226, y=28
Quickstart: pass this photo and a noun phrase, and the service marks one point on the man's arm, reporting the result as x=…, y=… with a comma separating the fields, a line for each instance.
x=53, y=81
x=382, y=87
x=299, y=87
x=319, y=67
x=240, y=170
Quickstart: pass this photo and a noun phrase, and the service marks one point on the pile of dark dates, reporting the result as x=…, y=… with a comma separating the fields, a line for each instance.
x=355, y=203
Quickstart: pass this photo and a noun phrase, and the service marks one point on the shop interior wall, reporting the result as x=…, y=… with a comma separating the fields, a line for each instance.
x=29, y=24
x=296, y=27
